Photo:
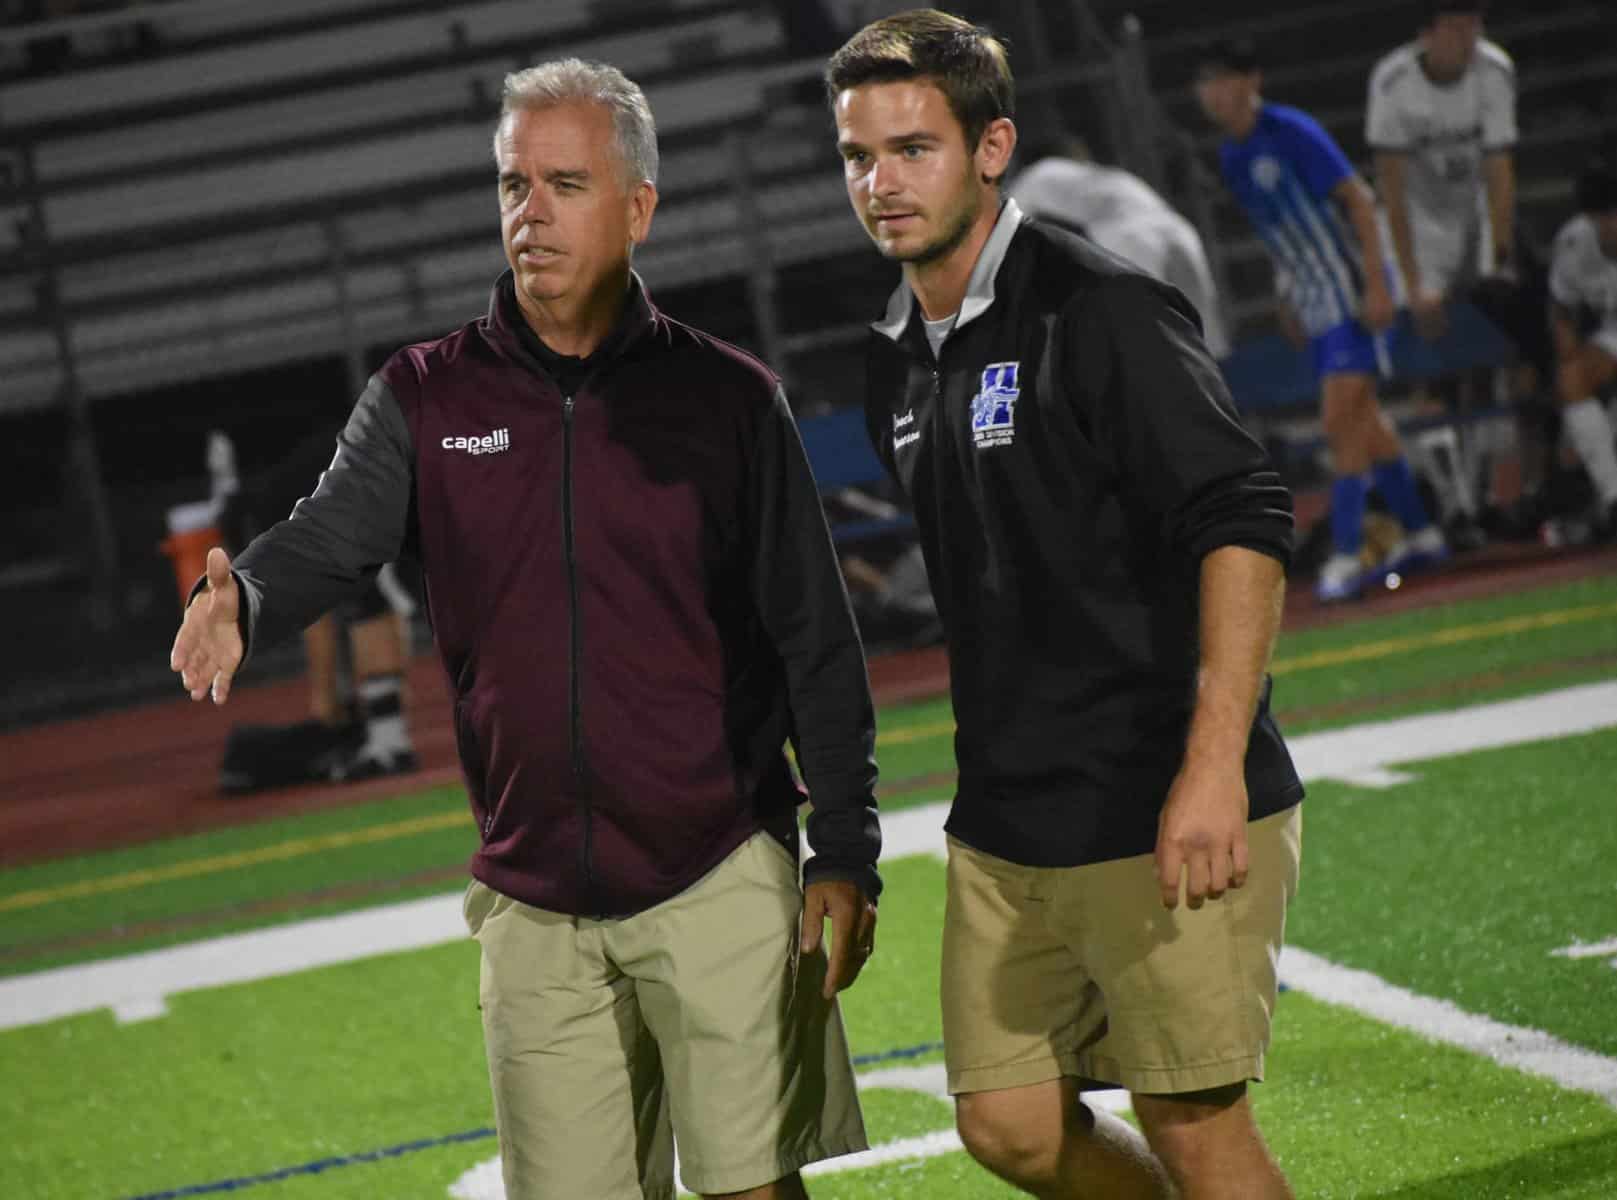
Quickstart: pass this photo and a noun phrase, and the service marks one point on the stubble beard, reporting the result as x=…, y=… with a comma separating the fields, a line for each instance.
x=943, y=245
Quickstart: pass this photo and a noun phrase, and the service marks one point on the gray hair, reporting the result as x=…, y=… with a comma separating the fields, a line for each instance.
x=572, y=79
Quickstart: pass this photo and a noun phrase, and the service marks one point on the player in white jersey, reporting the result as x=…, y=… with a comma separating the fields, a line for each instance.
x=1123, y=214
x=1441, y=119
x=1583, y=317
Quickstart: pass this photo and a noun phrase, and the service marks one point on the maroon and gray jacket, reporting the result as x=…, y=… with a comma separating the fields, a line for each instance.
x=632, y=589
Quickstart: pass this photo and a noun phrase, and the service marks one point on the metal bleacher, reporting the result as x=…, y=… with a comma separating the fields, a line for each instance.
x=223, y=204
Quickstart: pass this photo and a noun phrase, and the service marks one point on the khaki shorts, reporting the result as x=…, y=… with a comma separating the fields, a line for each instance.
x=694, y=1020
x=1082, y=972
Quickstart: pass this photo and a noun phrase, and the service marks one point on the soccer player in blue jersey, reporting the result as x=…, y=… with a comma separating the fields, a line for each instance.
x=1296, y=187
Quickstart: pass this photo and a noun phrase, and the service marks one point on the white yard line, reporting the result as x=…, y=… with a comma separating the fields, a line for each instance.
x=1603, y=949
x=1528, y=1050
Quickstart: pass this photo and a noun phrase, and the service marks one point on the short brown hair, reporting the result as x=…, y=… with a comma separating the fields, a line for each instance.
x=968, y=64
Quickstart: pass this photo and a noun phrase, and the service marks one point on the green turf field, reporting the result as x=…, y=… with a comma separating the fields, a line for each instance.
x=365, y=1078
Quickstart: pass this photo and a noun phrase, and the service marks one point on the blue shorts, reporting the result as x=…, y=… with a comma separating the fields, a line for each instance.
x=1350, y=349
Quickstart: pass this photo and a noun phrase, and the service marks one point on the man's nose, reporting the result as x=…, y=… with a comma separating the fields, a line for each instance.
x=536, y=208
x=884, y=177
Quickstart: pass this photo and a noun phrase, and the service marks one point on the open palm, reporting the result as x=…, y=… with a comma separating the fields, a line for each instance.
x=208, y=648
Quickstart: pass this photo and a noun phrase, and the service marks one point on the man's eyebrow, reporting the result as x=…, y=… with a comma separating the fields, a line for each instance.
x=567, y=176
x=898, y=139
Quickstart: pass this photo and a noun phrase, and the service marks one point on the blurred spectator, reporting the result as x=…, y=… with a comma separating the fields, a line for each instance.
x=1441, y=119
x=356, y=728
x=1296, y=186
x=1121, y=213
x=1583, y=290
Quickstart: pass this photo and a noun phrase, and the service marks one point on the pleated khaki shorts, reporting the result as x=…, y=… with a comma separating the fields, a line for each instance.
x=608, y=1040
x=1082, y=972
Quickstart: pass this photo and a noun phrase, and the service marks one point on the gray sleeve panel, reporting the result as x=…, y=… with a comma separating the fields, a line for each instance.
x=337, y=538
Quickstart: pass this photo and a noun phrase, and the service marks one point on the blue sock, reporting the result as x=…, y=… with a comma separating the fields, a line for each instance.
x=1396, y=483
x=1347, y=513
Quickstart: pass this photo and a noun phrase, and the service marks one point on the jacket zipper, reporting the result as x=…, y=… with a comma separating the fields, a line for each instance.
x=576, y=740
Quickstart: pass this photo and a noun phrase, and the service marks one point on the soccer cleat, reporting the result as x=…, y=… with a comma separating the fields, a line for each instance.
x=1340, y=579
x=1419, y=552
x=370, y=763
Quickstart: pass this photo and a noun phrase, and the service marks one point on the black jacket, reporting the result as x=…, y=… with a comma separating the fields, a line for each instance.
x=633, y=592
x=1071, y=455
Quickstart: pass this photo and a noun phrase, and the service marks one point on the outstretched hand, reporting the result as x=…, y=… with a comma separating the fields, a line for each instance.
x=208, y=648
x=853, y=929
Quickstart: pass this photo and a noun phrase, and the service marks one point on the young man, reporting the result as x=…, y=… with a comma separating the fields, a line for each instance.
x=1106, y=544
x=1583, y=317
x=1290, y=178
x=636, y=601
x=1441, y=119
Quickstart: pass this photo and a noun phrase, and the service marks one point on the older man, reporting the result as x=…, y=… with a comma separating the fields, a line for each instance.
x=636, y=601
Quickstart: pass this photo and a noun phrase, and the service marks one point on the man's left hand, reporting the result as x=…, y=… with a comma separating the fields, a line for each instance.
x=1201, y=835
x=853, y=929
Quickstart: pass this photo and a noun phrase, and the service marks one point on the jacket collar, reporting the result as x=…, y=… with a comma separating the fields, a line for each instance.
x=979, y=288
x=505, y=319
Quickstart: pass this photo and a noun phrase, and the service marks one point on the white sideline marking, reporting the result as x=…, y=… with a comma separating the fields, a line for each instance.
x=1378, y=777
x=1343, y=753
x=1363, y=754
x=1582, y=950
x=139, y=984
x=136, y=986
x=1528, y=1050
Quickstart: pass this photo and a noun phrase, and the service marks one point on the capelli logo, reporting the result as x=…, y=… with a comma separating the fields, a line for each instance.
x=492, y=443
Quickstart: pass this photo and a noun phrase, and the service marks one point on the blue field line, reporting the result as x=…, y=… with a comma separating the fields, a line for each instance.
x=320, y=1165
x=317, y=1166
x=867, y=1060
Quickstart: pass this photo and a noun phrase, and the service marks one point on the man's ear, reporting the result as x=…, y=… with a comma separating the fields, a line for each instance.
x=994, y=149
x=642, y=203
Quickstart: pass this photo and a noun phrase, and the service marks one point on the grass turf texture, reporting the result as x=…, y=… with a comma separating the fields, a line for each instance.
x=1462, y=883
x=1579, y=623
x=371, y=1054
x=1458, y=885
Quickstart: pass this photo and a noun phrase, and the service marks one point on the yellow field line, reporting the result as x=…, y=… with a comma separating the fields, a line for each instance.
x=295, y=848
x=299, y=847
x=1362, y=653
x=1443, y=637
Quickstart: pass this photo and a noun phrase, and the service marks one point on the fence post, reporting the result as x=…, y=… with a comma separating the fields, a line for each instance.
x=1134, y=82
x=353, y=345
x=760, y=258
x=88, y=491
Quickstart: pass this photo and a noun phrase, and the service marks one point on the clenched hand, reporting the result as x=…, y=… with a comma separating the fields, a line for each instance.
x=853, y=929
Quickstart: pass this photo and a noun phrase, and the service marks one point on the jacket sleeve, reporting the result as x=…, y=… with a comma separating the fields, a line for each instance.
x=803, y=603
x=1160, y=407
x=353, y=524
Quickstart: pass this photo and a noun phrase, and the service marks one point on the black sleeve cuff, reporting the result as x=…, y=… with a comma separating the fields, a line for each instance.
x=244, y=624
x=820, y=869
